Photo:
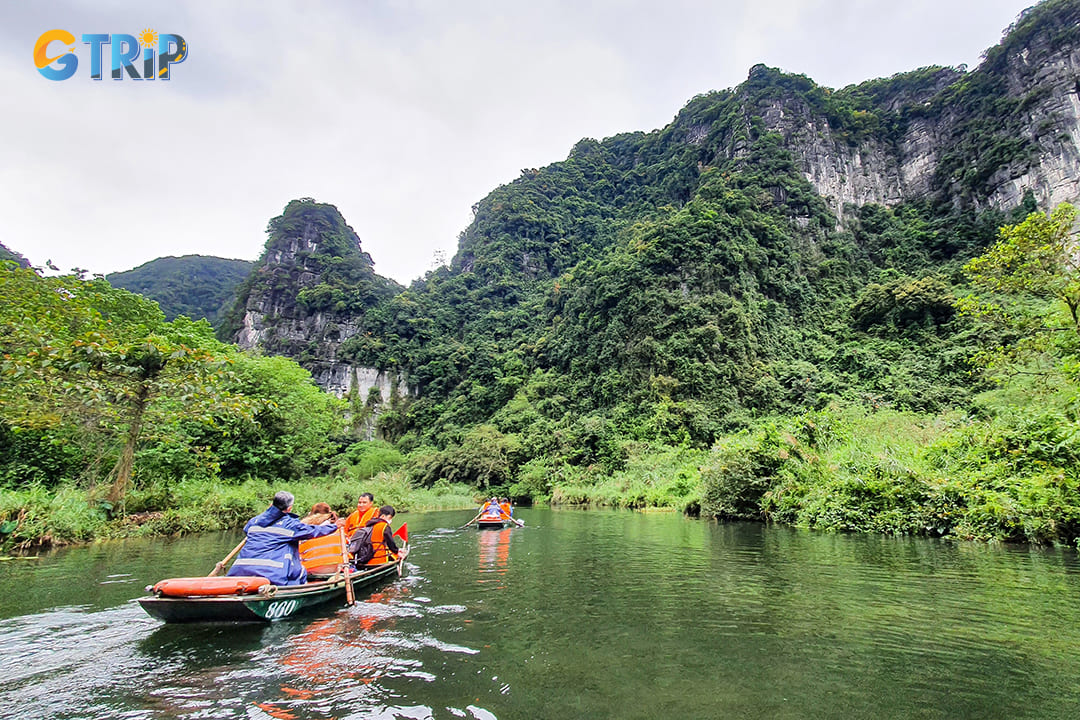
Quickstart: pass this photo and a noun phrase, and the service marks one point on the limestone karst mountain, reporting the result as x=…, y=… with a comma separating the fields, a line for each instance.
x=669, y=281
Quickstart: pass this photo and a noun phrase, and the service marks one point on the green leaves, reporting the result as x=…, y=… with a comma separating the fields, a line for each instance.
x=94, y=363
x=1030, y=284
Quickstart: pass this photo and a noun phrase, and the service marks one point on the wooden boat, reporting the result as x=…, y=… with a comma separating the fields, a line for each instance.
x=496, y=516
x=245, y=602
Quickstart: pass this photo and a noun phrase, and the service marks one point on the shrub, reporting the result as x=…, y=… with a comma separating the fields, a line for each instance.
x=364, y=460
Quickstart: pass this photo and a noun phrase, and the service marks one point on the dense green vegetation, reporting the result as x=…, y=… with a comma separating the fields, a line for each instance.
x=193, y=285
x=114, y=421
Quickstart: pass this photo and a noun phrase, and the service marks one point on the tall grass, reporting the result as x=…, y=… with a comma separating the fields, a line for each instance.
x=66, y=515
x=1001, y=472
x=654, y=477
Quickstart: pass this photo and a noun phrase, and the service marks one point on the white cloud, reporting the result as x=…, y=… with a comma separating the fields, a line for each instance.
x=403, y=114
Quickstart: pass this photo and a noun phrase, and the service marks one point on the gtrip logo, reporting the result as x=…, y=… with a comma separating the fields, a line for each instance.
x=157, y=52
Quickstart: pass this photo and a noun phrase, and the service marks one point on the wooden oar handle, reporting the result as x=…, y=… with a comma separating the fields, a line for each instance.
x=220, y=567
x=346, y=568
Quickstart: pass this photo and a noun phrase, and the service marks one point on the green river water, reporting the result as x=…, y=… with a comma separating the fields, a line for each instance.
x=579, y=614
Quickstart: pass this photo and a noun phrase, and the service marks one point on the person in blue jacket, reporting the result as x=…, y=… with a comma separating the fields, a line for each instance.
x=271, y=550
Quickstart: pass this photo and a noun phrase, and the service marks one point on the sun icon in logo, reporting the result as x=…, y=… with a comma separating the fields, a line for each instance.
x=148, y=38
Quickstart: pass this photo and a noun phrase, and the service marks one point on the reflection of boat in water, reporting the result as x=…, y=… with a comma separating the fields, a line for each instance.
x=494, y=553
x=319, y=658
x=264, y=603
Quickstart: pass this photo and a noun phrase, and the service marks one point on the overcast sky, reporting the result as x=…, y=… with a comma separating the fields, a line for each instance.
x=402, y=114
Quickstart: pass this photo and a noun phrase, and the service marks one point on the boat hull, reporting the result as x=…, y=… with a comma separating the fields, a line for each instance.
x=491, y=524
x=287, y=600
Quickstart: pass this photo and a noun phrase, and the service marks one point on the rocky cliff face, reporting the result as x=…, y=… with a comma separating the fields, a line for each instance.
x=307, y=295
x=941, y=134
x=1047, y=79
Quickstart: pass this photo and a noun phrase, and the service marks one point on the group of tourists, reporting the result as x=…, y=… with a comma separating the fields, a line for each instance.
x=272, y=547
x=497, y=508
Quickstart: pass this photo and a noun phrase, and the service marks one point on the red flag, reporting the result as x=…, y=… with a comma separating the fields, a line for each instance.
x=403, y=532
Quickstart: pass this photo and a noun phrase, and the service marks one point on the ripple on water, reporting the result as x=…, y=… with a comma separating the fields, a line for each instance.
x=590, y=615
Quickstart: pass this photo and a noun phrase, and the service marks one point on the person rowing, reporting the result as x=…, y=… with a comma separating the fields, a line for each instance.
x=495, y=511
x=271, y=550
x=490, y=510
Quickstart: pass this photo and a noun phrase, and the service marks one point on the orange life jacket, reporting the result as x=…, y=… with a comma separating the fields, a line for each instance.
x=381, y=554
x=323, y=554
x=505, y=508
x=356, y=521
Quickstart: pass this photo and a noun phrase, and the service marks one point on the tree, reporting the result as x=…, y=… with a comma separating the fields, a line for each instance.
x=124, y=378
x=295, y=428
x=1038, y=258
x=99, y=360
x=1041, y=256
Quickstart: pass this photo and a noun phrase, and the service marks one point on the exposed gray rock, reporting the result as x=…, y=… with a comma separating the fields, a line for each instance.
x=275, y=322
x=1045, y=78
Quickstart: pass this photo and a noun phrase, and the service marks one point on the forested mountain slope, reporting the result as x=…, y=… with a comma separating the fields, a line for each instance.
x=197, y=286
x=779, y=246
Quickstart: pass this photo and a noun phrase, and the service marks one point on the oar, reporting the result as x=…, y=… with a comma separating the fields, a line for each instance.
x=519, y=523
x=474, y=519
x=220, y=567
x=350, y=598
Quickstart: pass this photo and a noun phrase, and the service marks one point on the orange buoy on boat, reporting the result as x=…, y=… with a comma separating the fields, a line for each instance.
x=196, y=586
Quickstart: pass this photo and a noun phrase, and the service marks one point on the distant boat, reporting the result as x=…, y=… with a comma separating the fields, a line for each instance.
x=496, y=516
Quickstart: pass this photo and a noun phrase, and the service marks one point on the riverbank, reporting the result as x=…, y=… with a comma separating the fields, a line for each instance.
x=37, y=517
x=1004, y=469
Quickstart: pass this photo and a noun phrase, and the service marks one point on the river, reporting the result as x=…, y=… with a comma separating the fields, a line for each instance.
x=579, y=614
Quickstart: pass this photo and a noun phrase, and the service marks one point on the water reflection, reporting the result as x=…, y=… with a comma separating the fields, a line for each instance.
x=598, y=614
x=494, y=553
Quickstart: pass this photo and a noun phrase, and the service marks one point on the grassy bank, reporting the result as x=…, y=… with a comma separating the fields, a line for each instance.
x=36, y=516
x=1003, y=470
x=996, y=473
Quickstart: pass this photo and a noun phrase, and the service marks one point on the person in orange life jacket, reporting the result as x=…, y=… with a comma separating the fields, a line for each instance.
x=506, y=508
x=365, y=511
x=270, y=550
x=384, y=549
